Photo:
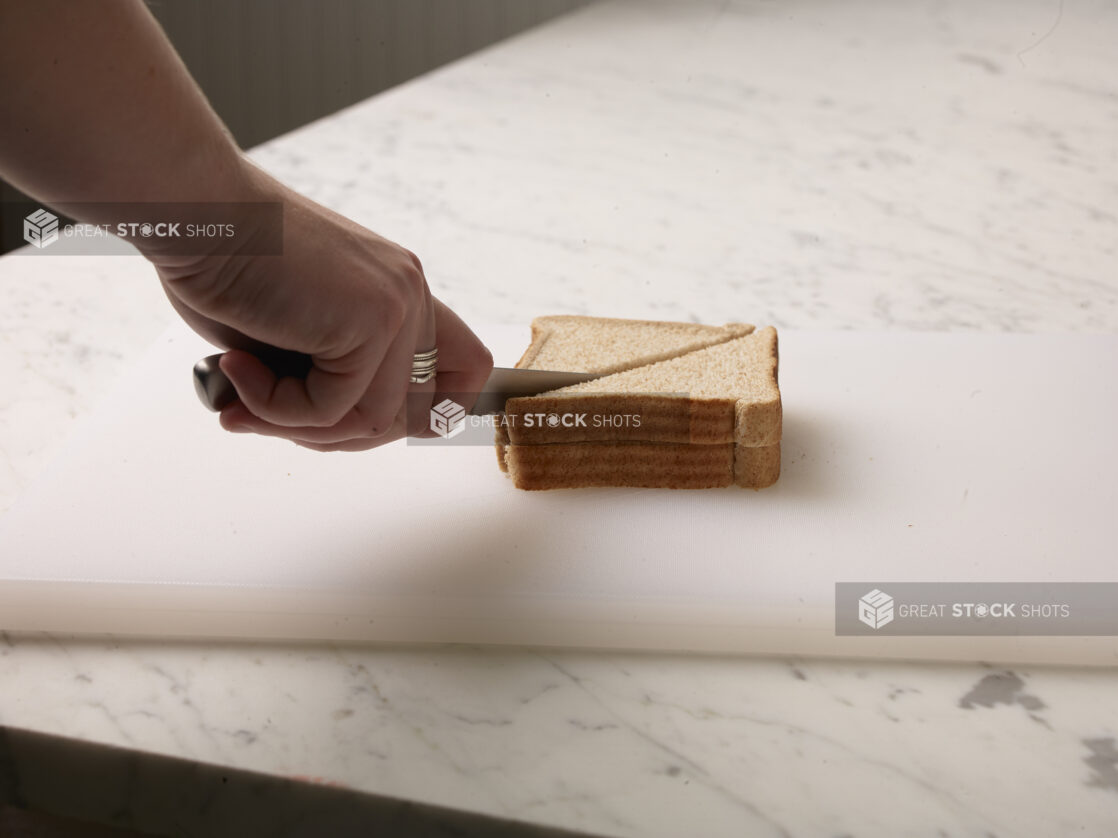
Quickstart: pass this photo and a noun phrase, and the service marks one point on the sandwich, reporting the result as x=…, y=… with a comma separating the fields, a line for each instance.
x=680, y=406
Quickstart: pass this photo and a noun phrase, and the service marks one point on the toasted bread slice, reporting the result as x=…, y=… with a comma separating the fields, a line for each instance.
x=574, y=343
x=641, y=464
x=726, y=393
x=646, y=465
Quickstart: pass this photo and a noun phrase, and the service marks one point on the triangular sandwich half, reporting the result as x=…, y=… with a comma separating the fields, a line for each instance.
x=575, y=343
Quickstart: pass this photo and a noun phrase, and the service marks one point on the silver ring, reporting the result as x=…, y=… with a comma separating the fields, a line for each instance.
x=423, y=366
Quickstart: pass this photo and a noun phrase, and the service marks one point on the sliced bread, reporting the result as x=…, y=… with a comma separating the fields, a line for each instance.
x=651, y=465
x=726, y=393
x=707, y=417
x=575, y=343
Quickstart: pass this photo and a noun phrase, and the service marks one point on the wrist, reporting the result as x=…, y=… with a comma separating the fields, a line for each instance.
x=231, y=207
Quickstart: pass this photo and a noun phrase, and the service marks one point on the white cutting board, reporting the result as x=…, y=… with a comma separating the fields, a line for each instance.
x=907, y=457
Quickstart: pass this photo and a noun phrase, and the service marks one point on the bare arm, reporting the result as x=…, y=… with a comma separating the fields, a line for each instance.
x=95, y=106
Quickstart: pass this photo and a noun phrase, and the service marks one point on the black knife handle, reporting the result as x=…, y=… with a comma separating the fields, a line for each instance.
x=215, y=389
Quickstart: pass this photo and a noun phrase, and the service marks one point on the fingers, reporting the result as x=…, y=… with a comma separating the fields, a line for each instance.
x=351, y=434
x=348, y=445
x=237, y=419
x=464, y=361
x=390, y=394
x=388, y=409
x=323, y=398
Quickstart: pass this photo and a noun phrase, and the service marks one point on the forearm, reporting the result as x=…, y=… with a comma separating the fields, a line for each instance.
x=96, y=106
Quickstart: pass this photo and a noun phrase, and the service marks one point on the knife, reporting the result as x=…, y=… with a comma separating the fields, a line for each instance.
x=216, y=390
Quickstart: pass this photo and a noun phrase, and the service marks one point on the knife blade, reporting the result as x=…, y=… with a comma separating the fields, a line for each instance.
x=216, y=391
x=508, y=382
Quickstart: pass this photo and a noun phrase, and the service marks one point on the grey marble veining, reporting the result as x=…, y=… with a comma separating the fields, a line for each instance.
x=913, y=166
x=803, y=164
x=620, y=744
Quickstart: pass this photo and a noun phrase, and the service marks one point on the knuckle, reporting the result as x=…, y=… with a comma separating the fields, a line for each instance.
x=322, y=415
x=416, y=264
x=339, y=411
x=328, y=417
x=484, y=356
x=478, y=356
x=411, y=275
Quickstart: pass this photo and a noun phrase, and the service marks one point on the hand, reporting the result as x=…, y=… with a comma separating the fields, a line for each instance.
x=358, y=304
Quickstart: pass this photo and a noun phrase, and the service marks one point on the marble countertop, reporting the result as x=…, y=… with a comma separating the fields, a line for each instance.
x=911, y=166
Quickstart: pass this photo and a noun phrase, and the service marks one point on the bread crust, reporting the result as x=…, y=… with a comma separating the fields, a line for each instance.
x=601, y=464
x=756, y=468
x=617, y=417
x=640, y=464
